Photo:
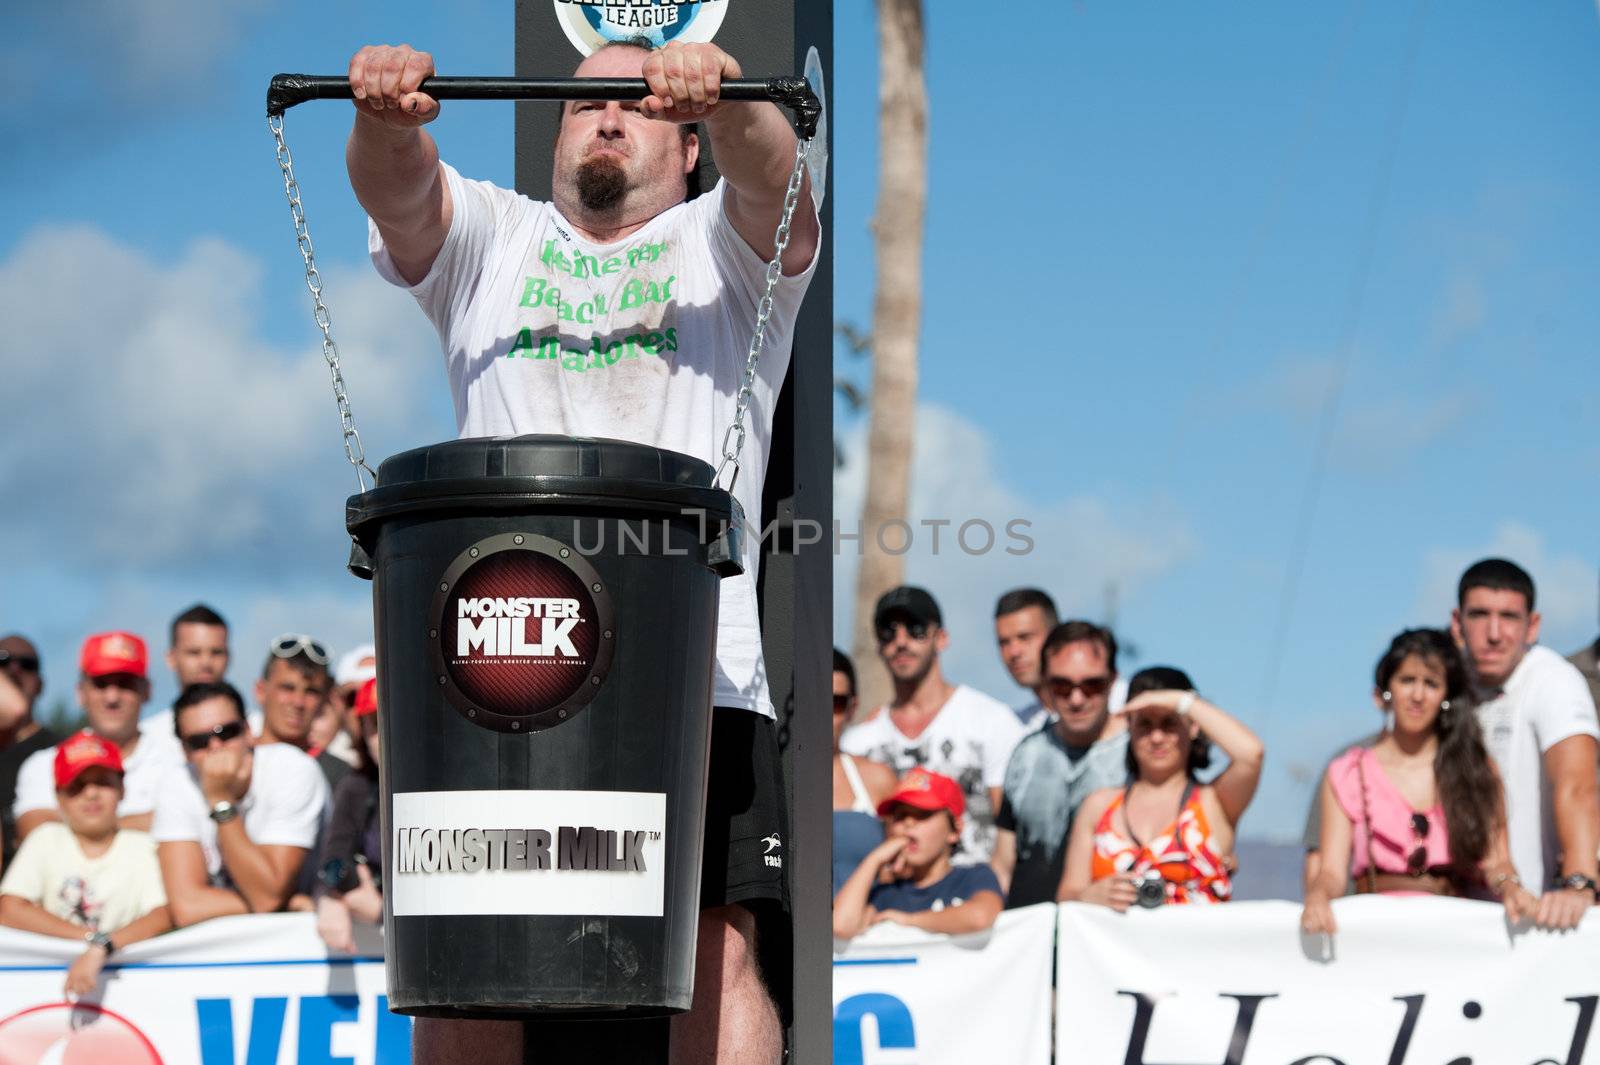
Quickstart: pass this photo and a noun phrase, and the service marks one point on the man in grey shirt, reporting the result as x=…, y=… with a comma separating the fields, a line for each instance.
x=1054, y=769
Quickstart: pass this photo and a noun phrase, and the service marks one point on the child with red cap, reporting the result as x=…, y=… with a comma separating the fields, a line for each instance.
x=83, y=877
x=908, y=878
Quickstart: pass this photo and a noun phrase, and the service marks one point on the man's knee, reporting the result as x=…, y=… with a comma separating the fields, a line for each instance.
x=727, y=944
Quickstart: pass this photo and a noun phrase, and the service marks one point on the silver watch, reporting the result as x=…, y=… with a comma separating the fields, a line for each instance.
x=101, y=940
x=223, y=812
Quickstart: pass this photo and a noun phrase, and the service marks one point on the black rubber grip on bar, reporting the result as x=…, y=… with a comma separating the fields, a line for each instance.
x=287, y=90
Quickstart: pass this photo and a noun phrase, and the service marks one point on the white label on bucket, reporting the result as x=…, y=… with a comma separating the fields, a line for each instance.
x=558, y=853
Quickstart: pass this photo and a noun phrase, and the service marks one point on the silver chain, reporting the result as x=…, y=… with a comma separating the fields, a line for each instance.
x=733, y=439
x=330, y=351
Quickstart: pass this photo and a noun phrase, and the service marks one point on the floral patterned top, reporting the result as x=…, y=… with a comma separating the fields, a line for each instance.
x=1181, y=853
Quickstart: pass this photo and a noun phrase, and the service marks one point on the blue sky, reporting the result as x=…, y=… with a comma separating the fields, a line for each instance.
x=1158, y=236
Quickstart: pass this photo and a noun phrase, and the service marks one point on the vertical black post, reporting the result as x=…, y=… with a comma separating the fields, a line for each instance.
x=796, y=581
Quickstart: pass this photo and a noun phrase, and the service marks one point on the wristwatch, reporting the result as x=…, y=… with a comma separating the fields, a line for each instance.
x=223, y=812
x=1579, y=882
x=332, y=873
x=101, y=940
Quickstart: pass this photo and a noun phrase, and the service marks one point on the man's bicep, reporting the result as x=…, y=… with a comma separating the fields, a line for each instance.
x=1572, y=760
x=285, y=861
x=414, y=241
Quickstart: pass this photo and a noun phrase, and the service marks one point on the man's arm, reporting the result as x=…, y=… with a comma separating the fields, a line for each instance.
x=1004, y=859
x=264, y=874
x=1569, y=765
x=190, y=896
x=33, y=819
x=394, y=166
x=753, y=143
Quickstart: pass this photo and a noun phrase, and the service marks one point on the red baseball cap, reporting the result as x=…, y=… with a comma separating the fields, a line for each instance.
x=926, y=791
x=84, y=750
x=366, y=701
x=114, y=652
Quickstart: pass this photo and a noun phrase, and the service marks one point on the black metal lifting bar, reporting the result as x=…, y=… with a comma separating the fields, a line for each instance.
x=789, y=92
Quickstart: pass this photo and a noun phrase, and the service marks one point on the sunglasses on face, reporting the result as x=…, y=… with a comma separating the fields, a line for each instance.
x=26, y=663
x=917, y=630
x=1091, y=687
x=199, y=741
x=841, y=703
x=293, y=643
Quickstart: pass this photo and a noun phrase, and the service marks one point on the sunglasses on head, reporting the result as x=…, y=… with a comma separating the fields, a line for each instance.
x=26, y=663
x=199, y=741
x=1091, y=687
x=293, y=643
x=917, y=630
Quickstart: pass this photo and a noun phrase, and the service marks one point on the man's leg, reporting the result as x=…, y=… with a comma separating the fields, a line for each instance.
x=452, y=1042
x=733, y=1020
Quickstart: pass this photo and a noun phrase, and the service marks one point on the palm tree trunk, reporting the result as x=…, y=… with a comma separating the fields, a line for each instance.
x=896, y=319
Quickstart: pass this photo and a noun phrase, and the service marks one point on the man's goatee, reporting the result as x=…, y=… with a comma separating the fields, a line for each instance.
x=601, y=184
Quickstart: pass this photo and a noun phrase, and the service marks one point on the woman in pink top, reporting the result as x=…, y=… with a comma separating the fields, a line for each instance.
x=1420, y=811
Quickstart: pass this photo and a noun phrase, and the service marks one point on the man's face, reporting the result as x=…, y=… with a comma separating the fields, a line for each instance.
x=89, y=803
x=844, y=705
x=199, y=654
x=290, y=699
x=1020, y=635
x=909, y=646
x=1077, y=687
x=209, y=724
x=22, y=668
x=607, y=149
x=1496, y=628
x=112, y=703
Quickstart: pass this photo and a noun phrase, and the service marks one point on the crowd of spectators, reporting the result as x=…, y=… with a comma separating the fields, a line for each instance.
x=1482, y=781
x=142, y=823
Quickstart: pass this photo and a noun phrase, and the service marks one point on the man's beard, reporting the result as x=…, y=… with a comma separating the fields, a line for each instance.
x=601, y=184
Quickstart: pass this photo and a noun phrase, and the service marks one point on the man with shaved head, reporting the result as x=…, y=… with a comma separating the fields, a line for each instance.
x=20, y=735
x=624, y=309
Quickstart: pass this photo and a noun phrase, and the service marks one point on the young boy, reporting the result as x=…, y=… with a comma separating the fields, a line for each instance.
x=83, y=877
x=908, y=878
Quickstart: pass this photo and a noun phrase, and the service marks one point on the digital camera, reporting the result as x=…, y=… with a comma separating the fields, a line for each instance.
x=1151, y=889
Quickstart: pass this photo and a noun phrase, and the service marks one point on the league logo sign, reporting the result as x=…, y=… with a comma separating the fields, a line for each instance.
x=592, y=26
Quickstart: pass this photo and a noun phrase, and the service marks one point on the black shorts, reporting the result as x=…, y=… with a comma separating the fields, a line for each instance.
x=747, y=838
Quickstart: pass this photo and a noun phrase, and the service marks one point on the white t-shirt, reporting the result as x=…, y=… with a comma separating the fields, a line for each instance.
x=969, y=740
x=142, y=773
x=1544, y=701
x=102, y=894
x=283, y=807
x=642, y=340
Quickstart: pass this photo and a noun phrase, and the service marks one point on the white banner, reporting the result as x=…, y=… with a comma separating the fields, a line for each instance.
x=1416, y=981
x=258, y=990
x=904, y=997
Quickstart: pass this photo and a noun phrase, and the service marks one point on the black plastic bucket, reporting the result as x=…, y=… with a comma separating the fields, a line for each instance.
x=546, y=615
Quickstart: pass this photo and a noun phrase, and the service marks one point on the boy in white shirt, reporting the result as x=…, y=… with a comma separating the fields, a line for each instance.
x=234, y=828
x=83, y=877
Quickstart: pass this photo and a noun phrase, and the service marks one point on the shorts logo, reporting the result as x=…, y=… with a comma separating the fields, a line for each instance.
x=773, y=843
x=592, y=26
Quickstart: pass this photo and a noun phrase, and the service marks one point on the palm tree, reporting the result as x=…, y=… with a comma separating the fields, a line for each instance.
x=896, y=316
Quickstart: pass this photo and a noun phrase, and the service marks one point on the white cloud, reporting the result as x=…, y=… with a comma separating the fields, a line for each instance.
x=151, y=425
x=1463, y=309
x=1564, y=584
x=1080, y=544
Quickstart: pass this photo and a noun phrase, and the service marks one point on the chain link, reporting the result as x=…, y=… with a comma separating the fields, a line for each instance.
x=330, y=351
x=733, y=439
